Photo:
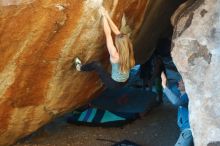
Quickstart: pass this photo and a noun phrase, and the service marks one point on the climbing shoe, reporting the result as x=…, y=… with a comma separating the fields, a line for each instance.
x=78, y=64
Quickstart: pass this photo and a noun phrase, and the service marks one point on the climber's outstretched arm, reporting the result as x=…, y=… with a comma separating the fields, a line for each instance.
x=112, y=24
x=109, y=41
x=114, y=28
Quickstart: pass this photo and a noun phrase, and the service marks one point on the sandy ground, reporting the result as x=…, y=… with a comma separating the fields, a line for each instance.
x=156, y=128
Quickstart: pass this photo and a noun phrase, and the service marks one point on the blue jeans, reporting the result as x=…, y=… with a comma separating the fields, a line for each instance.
x=185, y=138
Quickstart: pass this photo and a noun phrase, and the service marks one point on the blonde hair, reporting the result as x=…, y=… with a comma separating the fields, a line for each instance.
x=125, y=50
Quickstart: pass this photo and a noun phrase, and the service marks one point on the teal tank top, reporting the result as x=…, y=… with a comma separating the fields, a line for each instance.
x=117, y=75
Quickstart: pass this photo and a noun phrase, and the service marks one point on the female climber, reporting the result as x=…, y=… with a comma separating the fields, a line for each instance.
x=121, y=56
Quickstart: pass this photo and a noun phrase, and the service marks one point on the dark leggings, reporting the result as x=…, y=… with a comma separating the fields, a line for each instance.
x=104, y=76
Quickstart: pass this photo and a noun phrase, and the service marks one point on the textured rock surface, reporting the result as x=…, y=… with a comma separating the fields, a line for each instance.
x=156, y=25
x=196, y=53
x=40, y=38
x=38, y=41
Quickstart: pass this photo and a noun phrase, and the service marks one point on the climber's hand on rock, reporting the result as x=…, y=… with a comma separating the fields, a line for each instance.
x=102, y=11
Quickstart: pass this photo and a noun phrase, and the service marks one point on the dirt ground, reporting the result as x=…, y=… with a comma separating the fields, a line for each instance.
x=156, y=128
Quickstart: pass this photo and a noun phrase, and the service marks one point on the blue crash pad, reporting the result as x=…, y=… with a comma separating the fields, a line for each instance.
x=125, y=100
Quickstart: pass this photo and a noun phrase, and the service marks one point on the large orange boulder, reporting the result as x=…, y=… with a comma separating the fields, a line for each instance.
x=39, y=40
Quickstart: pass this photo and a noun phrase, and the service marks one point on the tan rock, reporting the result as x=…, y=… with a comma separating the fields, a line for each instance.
x=196, y=53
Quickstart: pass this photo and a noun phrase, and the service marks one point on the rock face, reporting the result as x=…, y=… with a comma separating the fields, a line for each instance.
x=38, y=41
x=156, y=25
x=196, y=53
